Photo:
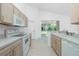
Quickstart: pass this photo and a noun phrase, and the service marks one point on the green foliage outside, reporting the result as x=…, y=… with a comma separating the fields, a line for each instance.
x=49, y=27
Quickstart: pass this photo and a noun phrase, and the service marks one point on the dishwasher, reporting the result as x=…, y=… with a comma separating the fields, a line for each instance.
x=69, y=48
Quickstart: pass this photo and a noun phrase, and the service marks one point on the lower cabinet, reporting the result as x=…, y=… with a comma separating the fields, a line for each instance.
x=14, y=49
x=6, y=52
x=17, y=51
x=56, y=44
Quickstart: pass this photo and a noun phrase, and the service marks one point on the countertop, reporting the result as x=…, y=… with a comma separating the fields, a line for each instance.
x=72, y=39
x=6, y=41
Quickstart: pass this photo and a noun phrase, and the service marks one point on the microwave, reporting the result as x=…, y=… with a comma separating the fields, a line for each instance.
x=18, y=21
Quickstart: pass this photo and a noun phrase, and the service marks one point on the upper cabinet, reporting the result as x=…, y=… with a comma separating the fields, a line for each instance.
x=6, y=13
x=19, y=18
x=11, y=15
x=25, y=21
x=75, y=13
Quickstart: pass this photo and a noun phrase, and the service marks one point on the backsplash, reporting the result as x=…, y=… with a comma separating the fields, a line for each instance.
x=11, y=30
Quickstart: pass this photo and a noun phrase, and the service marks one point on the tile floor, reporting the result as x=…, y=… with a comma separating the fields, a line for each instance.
x=40, y=48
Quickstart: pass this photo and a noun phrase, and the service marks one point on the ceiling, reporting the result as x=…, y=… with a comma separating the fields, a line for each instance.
x=59, y=8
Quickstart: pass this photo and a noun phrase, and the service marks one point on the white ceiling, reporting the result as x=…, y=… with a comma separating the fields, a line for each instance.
x=59, y=8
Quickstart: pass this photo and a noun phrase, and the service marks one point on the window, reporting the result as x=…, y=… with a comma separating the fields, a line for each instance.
x=50, y=26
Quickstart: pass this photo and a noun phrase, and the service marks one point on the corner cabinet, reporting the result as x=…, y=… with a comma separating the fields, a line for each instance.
x=56, y=44
x=13, y=49
x=74, y=13
x=6, y=13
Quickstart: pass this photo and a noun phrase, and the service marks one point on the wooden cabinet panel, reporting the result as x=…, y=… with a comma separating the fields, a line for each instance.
x=17, y=51
x=56, y=44
x=20, y=16
x=25, y=20
x=74, y=13
x=17, y=48
x=6, y=13
x=6, y=52
x=16, y=11
x=9, y=14
x=17, y=17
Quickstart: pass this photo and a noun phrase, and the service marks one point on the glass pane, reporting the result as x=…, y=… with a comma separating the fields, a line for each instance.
x=49, y=26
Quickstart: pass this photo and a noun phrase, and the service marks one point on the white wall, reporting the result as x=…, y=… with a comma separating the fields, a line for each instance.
x=32, y=14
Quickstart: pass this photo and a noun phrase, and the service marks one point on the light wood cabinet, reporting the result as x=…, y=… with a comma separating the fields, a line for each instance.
x=5, y=52
x=74, y=13
x=25, y=21
x=6, y=10
x=14, y=49
x=17, y=16
x=11, y=15
x=17, y=51
x=17, y=48
x=56, y=44
x=20, y=18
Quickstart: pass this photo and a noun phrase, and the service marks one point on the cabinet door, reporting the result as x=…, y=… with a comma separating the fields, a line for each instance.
x=75, y=13
x=7, y=13
x=58, y=46
x=6, y=52
x=18, y=17
x=25, y=20
x=17, y=48
x=14, y=49
x=53, y=42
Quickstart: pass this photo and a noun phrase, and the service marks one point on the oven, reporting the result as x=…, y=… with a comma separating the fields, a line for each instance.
x=26, y=44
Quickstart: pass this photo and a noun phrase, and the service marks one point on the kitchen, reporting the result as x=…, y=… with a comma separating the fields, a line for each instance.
x=20, y=28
